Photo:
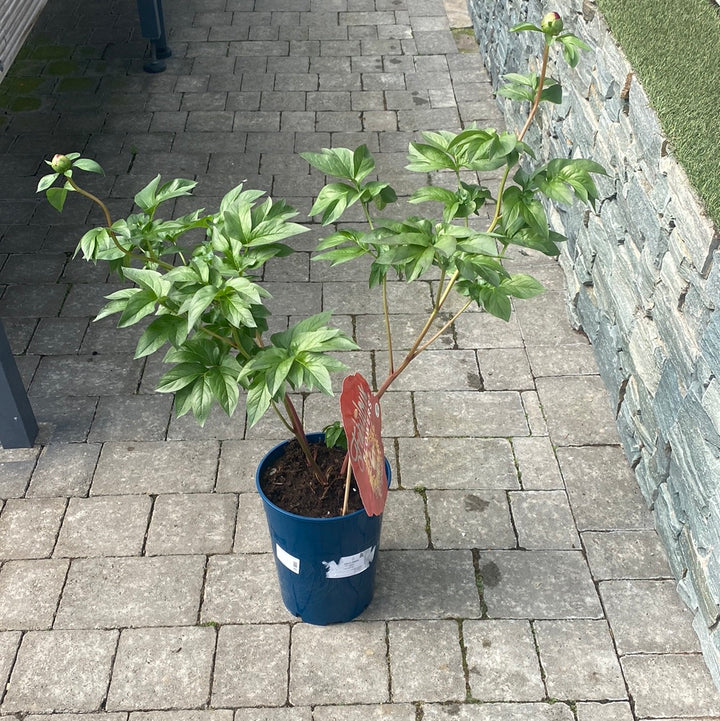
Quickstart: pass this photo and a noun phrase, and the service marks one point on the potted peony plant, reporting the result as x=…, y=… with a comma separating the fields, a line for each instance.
x=324, y=500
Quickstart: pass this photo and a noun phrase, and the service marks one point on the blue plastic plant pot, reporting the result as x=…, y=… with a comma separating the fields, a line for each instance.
x=326, y=566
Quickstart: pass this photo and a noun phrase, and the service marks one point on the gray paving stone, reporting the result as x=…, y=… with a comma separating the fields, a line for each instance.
x=192, y=523
x=462, y=519
x=29, y=527
x=66, y=419
x=251, y=666
x=670, y=685
x=283, y=713
x=29, y=593
x=119, y=592
x=404, y=521
x=58, y=336
x=602, y=490
x=131, y=418
x=242, y=589
x=502, y=661
x=425, y=661
x=78, y=462
x=497, y=712
x=15, y=474
x=86, y=375
x=545, y=321
x=538, y=584
x=465, y=413
x=543, y=520
x=217, y=427
x=534, y=413
x=614, y=711
x=435, y=370
x=579, y=660
x=482, y=330
x=251, y=530
x=155, y=467
x=424, y=584
x=537, y=464
x=567, y=360
x=397, y=413
x=355, y=298
x=205, y=715
x=60, y=671
x=358, y=674
x=162, y=668
x=389, y=712
x=462, y=464
x=104, y=526
x=638, y=613
x=9, y=643
x=625, y=554
x=238, y=462
x=578, y=410
x=504, y=369
x=32, y=301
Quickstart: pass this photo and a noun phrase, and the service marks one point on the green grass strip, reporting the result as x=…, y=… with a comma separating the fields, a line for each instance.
x=674, y=46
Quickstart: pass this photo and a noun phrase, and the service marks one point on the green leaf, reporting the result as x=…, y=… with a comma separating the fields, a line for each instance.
x=197, y=304
x=56, y=197
x=138, y=306
x=572, y=46
x=341, y=255
x=429, y=158
x=337, y=162
x=430, y=193
x=258, y=401
x=525, y=26
x=118, y=300
x=222, y=381
x=163, y=329
x=363, y=163
x=552, y=92
x=180, y=376
x=46, y=181
x=332, y=201
x=88, y=165
x=335, y=436
x=496, y=302
x=521, y=285
x=201, y=399
x=146, y=198
x=149, y=280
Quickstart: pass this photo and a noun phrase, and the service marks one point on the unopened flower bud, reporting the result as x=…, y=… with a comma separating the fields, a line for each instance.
x=551, y=24
x=61, y=163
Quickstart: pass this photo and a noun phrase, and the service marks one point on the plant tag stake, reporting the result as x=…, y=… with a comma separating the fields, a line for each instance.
x=361, y=418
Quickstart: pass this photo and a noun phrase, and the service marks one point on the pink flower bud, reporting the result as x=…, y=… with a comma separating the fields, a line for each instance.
x=61, y=163
x=551, y=24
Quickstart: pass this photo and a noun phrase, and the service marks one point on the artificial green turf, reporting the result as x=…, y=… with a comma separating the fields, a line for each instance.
x=674, y=46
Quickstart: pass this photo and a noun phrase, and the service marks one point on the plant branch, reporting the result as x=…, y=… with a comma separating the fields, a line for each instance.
x=299, y=433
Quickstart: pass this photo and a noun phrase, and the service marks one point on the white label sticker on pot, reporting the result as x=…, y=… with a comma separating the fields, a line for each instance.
x=287, y=560
x=349, y=565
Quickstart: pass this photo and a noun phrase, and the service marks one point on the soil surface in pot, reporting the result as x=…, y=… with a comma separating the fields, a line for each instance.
x=290, y=484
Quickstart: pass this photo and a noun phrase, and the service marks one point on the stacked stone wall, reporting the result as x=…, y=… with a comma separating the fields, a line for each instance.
x=643, y=275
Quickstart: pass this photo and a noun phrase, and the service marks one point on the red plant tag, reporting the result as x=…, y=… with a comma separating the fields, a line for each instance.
x=361, y=419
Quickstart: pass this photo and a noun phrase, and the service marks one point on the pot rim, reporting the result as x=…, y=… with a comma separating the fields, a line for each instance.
x=313, y=437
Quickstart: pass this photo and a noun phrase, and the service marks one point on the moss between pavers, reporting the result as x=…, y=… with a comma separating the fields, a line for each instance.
x=76, y=85
x=18, y=85
x=50, y=52
x=61, y=67
x=24, y=104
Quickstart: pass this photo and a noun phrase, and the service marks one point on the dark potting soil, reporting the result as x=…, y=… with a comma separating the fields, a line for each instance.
x=290, y=484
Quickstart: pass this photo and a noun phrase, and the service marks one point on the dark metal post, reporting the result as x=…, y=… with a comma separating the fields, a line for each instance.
x=18, y=427
x=152, y=27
